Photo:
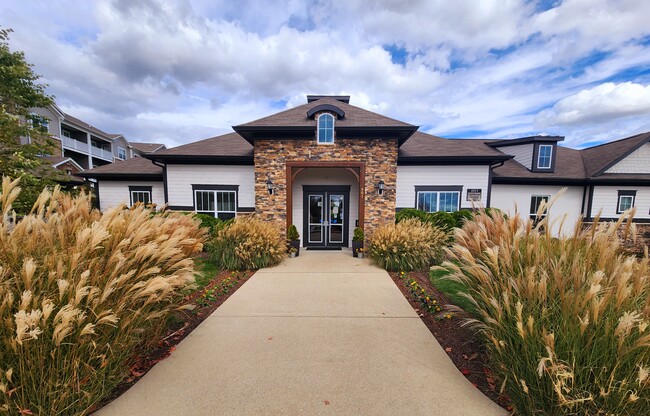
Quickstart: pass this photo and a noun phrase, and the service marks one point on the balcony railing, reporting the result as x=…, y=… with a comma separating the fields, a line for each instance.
x=73, y=144
x=101, y=153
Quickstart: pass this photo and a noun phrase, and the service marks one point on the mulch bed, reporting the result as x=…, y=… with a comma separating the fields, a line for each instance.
x=204, y=302
x=461, y=344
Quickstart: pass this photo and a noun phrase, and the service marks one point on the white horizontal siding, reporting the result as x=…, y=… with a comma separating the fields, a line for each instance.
x=180, y=179
x=114, y=193
x=511, y=198
x=322, y=176
x=636, y=162
x=605, y=199
x=469, y=177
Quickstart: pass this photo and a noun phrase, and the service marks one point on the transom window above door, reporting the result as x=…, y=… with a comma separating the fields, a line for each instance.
x=432, y=199
x=218, y=203
x=325, y=129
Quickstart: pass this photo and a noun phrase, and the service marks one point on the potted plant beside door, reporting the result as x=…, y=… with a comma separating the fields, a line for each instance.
x=357, y=241
x=293, y=238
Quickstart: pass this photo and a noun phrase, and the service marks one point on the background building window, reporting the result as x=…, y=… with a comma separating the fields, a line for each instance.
x=625, y=201
x=220, y=204
x=545, y=156
x=121, y=153
x=438, y=201
x=326, y=128
x=535, y=202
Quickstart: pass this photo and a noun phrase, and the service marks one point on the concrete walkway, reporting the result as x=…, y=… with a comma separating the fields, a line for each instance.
x=321, y=334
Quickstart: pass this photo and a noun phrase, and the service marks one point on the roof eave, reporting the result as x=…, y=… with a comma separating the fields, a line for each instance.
x=200, y=159
x=123, y=176
x=518, y=180
x=447, y=160
x=525, y=140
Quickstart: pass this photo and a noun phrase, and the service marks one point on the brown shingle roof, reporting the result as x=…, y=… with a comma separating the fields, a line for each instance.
x=599, y=158
x=147, y=147
x=422, y=145
x=230, y=144
x=568, y=166
x=138, y=166
x=354, y=117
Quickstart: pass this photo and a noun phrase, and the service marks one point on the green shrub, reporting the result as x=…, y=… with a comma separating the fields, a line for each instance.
x=248, y=244
x=565, y=320
x=408, y=245
x=358, y=234
x=445, y=220
x=292, y=233
x=78, y=292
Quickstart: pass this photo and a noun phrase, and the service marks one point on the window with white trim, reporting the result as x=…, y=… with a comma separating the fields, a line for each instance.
x=535, y=202
x=140, y=195
x=325, y=129
x=625, y=201
x=220, y=204
x=431, y=201
x=121, y=153
x=544, y=156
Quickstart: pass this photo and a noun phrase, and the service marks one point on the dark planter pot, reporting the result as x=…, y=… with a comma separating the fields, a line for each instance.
x=295, y=244
x=355, y=246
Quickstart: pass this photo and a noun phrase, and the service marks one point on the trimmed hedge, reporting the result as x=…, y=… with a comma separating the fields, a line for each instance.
x=445, y=220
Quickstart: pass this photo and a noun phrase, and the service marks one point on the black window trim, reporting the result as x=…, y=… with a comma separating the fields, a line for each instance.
x=140, y=189
x=213, y=187
x=535, y=163
x=532, y=214
x=439, y=188
x=624, y=193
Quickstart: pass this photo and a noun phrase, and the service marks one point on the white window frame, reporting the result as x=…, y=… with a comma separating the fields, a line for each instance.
x=214, y=212
x=318, y=129
x=539, y=156
x=438, y=193
x=618, y=204
x=119, y=156
x=133, y=199
x=533, y=215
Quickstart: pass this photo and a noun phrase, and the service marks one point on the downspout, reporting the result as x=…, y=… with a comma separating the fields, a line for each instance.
x=488, y=199
x=164, y=168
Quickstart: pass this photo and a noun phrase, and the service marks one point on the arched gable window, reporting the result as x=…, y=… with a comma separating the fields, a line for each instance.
x=325, y=128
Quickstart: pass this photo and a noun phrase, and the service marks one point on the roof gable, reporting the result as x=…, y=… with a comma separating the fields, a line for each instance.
x=599, y=158
x=353, y=121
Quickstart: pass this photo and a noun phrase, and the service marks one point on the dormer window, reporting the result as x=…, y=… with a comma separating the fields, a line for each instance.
x=325, y=129
x=545, y=156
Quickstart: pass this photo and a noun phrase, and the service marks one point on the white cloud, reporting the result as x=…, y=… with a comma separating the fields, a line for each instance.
x=601, y=104
x=179, y=71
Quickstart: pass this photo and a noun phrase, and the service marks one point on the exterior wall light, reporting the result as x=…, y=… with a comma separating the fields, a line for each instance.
x=269, y=186
x=380, y=187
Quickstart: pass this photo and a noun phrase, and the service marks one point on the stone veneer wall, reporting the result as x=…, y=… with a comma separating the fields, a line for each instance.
x=379, y=155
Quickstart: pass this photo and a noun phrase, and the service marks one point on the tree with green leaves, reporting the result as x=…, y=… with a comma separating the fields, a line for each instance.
x=20, y=92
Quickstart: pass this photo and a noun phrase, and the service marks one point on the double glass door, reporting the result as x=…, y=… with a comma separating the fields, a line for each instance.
x=326, y=219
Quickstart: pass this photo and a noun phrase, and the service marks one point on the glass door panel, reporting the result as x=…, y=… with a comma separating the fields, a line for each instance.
x=336, y=220
x=315, y=217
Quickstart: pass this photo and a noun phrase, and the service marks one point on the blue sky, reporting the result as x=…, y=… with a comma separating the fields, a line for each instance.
x=179, y=71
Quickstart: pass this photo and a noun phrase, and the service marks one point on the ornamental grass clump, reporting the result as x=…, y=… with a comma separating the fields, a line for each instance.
x=408, y=245
x=248, y=244
x=565, y=319
x=79, y=291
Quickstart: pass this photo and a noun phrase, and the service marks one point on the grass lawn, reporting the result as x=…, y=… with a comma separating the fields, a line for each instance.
x=452, y=289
